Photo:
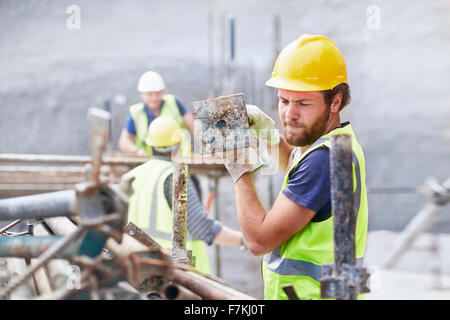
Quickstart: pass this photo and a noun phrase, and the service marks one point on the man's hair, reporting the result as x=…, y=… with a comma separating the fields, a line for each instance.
x=342, y=88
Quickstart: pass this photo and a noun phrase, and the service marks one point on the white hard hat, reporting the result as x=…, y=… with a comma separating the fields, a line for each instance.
x=151, y=81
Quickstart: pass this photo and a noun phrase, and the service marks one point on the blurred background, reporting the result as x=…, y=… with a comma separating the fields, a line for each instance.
x=60, y=58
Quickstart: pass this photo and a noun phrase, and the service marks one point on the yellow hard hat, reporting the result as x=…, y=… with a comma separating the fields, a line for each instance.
x=163, y=132
x=310, y=63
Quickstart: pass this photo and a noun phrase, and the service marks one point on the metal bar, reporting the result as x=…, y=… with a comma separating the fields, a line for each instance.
x=179, y=208
x=41, y=279
x=52, y=204
x=16, y=268
x=141, y=236
x=341, y=175
x=9, y=226
x=32, y=247
x=58, y=269
x=438, y=196
x=206, y=288
x=69, y=159
x=100, y=120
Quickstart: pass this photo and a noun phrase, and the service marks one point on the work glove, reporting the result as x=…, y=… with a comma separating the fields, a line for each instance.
x=125, y=183
x=262, y=126
x=240, y=161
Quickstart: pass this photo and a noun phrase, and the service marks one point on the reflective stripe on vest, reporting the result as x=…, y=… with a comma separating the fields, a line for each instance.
x=291, y=267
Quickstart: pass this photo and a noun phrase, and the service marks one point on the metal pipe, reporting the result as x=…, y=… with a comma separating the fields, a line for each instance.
x=172, y=291
x=206, y=288
x=58, y=269
x=179, y=208
x=32, y=247
x=341, y=178
x=52, y=204
x=26, y=290
x=41, y=279
x=341, y=175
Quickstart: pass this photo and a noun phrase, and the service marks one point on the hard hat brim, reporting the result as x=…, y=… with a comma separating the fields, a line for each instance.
x=298, y=85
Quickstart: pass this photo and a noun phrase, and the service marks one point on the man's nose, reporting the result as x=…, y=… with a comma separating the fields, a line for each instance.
x=292, y=111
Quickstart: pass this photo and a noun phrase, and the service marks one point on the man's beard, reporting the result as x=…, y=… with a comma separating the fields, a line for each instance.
x=308, y=135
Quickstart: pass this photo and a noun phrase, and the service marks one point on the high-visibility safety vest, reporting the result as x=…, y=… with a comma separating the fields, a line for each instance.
x=169, y=108
x=298, y=261
x=149, y=210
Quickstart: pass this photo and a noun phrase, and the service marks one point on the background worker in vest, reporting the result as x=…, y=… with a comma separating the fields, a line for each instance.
x=296, y=234
x=150, y=204
x=151, y=88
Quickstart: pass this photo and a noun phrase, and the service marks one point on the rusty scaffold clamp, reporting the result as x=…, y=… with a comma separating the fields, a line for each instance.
x=345, y=278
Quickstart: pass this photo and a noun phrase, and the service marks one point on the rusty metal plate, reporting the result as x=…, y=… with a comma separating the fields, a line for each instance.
x=221, y=124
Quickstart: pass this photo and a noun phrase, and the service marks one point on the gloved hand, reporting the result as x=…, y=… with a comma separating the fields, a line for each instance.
x=241, y=161
x=125, y=183
x=262, y=126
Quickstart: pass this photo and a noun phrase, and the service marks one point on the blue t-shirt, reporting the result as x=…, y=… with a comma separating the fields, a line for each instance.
x=309, y=185
x=131, y=128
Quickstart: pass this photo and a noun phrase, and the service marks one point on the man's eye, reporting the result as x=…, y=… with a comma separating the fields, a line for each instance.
x=304, y=104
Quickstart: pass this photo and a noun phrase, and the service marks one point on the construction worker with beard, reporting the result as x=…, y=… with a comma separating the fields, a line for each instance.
x=296, y=234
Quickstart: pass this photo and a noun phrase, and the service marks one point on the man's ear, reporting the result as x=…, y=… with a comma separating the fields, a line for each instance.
x=336, y=103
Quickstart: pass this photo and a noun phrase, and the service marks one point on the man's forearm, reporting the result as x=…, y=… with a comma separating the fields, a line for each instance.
x=250, y=212
x=126, y=144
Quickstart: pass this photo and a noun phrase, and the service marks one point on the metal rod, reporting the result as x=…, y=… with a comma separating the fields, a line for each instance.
x=58, y=269
x=12, y=224
x=141, y=236
x=41, y=279
x=52, y=204
x=206, y=288
x=32, y=247
x=47, y=255
x=16, y=268
x=179, y=208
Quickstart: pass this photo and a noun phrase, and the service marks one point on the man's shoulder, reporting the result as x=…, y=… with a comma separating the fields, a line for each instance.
x=137, y=107
x=316, y=158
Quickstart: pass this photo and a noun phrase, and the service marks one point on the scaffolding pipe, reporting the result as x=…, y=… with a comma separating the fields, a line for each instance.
x=52, y=204
x=206, y=288
x=17, y=267
x=58, y=269
x=341, y=174
x=172, y=291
